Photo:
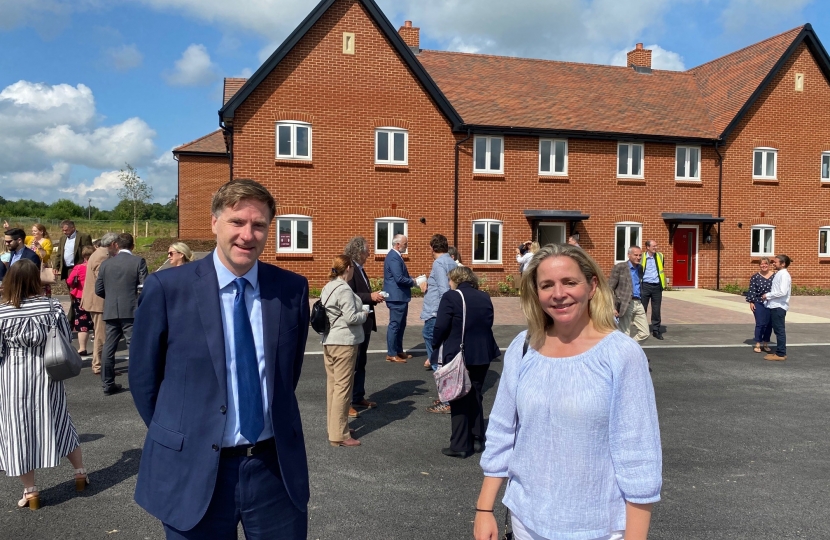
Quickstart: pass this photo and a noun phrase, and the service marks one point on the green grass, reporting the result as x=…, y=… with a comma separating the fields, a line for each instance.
x=96, y=229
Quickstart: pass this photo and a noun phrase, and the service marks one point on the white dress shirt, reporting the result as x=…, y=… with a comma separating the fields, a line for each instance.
x=779, y=295
x=227, y=293
x=69, y=249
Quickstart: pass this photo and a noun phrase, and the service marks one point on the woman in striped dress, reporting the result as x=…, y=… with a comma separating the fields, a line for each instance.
x=35, y=428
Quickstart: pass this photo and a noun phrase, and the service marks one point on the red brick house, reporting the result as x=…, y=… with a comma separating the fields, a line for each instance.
x=356, y=130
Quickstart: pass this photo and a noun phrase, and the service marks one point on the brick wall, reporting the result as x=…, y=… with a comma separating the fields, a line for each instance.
x=199, y=178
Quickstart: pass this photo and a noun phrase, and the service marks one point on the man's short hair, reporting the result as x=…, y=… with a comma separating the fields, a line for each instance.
x=230, y=194
x=439, y=243
x=108, y=239
x=784, y=259
x=67, y=222
x=16, y=234
x=649, y=242
x=356, y=247
x=397, y=239
x=125, y=241
x=632, y=248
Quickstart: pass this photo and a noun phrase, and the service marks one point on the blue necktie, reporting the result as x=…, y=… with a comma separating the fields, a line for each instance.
x=247, y=368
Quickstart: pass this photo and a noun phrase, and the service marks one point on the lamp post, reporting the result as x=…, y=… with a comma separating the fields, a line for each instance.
x=89, y=210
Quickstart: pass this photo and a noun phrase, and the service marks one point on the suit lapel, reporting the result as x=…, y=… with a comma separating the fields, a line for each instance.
x=206, y=293
x=269, y=293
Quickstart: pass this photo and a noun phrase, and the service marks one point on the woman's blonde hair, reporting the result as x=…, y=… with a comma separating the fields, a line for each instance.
x=600, y=307
x=463, y=274
x=339, y=266
x=182, y=248
x=534, y=247
x=42, y=229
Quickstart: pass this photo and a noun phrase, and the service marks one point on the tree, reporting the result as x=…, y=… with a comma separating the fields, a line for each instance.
x=135, y=190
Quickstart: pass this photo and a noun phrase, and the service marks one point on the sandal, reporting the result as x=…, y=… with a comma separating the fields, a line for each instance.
x=757, y=348
x=81, y=479
x=31, y=498
x=766, y=349
x=440, y=409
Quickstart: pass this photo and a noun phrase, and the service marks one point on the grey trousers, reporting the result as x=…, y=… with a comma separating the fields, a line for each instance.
x=116, y=329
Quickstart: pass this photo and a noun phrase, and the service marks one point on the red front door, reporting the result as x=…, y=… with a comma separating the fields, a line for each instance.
x=685, y=257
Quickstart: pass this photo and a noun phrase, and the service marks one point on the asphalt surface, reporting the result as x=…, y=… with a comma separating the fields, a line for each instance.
x=745, y=449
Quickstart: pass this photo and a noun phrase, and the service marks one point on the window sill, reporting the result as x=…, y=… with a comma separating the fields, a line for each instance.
x=391, y=167
x=765, y=181
x=756, y=257
x=294, y=255
x=294, y=162
x=687, y=182
x=382, y=256
x=488, y=176
x=487, y=266
x=824, y=259
x=631, y=181
x=825, y=183
x=554, y=178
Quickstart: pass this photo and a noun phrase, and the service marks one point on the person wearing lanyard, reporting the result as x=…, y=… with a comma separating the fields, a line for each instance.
x=654, y=281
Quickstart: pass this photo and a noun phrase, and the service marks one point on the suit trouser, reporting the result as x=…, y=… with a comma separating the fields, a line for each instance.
x=116, y=329
x=339, y=360
x=467, y=413
x=100, y=329
x=250, y=490
x=634, y=322
x=777, y=316
x=398, y=312
x=653, y=292
x=359, y=387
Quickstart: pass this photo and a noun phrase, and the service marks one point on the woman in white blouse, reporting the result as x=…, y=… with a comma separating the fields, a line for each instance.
x=574, y=427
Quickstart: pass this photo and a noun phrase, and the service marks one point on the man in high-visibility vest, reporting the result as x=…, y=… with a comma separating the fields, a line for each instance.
x=654, y=281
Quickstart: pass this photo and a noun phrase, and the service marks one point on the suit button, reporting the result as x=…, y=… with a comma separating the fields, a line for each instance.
x=215, y=448
x=222, y=409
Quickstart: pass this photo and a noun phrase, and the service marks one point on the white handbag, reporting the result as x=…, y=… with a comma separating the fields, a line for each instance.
x=452, y=378
x=60, y=358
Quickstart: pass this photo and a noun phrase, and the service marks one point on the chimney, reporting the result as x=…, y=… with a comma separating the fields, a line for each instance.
x=411, y=36
x=640, y=58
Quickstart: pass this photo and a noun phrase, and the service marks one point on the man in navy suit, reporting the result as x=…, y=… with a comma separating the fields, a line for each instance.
x=16, y=251
x=214, y=362
x=397, y=284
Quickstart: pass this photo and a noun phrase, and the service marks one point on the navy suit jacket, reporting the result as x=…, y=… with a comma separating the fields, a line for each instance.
x=396, y=280
x=480, y=346
x=27, y=254
x=179, y=384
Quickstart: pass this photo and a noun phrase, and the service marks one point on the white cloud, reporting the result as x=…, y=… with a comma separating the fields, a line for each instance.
x=660, y=58
x=194, y=68
x=103, y=190
x=124, y=57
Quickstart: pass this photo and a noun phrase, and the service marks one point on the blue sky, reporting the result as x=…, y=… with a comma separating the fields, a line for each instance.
x=87, y=85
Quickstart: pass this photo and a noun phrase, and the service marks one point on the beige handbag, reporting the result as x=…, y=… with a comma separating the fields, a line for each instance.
x=47, y=276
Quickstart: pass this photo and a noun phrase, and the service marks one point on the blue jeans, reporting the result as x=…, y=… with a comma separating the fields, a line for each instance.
x=763, y=328
x=778, y=315
x=429, y=327
x=397, y=325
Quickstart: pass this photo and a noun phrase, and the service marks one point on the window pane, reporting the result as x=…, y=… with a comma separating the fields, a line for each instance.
x=481, y=153
x=303, y=235
x=825, y=166
x=495, y=154
x=757, y=167
x=636, y=160
x=822, y=242
x=634, y=237
x=694, y=162
x=494, y=241
x=284, y=144
x=399, y=147
x=545, y=151
x=559, y=153
x=397, y=228
x=478, y=242
x=622, y=159
x=768, y=241
x=302, y=141
x=770, y=164
x=383, y=146
x=382, y=235
x=284, y=228
x=620, y=244
x=756, y=240
x=681, y=162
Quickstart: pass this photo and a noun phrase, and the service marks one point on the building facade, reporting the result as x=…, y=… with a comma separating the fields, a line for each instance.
x=357, y=131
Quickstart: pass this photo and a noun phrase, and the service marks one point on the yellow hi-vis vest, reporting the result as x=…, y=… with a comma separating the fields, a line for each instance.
x=658, y=259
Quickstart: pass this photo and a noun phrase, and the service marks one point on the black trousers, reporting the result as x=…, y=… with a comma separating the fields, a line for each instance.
x=359, y=387
x=467, y=413
x=777, y=317
x=116, y=329
x=653, y=292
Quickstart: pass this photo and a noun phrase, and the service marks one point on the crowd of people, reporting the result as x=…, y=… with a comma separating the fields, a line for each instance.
x=573, y=430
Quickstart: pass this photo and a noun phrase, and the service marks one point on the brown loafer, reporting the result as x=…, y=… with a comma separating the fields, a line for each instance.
x=404, y=356
x=395, y=360
x=775, y=358
x=364, y=403
x=353, y=413
x=348, y=442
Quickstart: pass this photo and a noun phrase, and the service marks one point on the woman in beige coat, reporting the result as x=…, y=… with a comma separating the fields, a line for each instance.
x=346, y=315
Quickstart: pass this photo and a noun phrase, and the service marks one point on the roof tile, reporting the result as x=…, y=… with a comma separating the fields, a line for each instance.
x=212, y=143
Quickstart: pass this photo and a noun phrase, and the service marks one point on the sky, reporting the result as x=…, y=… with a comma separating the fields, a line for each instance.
x=87, y=86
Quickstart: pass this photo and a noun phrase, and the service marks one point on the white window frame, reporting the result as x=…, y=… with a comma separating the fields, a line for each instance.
x=771, y=231
x=825, y=156
x=293, y=153
x=487, y=223
x=826, y=252
x=390, y=131
x=390, y=232
x=688, y=161
x=294, y=218
x=628, y=226
x=631, y=146
x=489, y=139
x=764, y=152
x=552, y=171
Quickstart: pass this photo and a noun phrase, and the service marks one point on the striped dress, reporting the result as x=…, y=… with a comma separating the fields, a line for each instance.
x=35, y=428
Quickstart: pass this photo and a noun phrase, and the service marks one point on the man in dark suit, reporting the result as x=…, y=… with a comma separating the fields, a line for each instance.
x=16, y=250
x=358, y=251
x=215, y=359
x=117, y=283
x=398, y=285
x=69, y=249
x=626, y=281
